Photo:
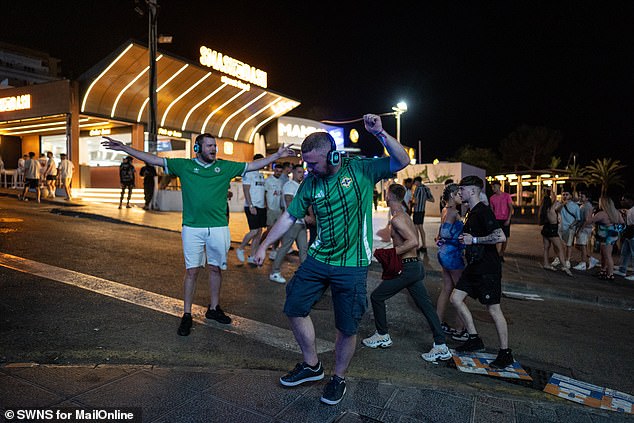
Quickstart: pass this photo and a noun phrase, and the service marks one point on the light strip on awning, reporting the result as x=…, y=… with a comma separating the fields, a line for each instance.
x=216, y=91
x=177, y=99
x=202, y=131
x=159, y=89
x=57, y=128
x=238, y=111
x=39, y=125
x=262, y=110
x=83, y=104
x=114, y=105
x=280, y=112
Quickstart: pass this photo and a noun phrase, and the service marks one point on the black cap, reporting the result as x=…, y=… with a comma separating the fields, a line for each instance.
x=471, y=180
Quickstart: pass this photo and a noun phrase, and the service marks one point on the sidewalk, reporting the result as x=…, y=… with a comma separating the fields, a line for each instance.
x=173, y=394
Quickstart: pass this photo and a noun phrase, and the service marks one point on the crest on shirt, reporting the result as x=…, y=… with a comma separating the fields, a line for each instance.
x=217, y=169
x=345, y=182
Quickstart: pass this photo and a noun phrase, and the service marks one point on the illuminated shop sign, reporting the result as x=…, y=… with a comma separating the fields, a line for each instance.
x=19, y=102
x=170, y=133
x=292, y=131
x=230, y=66
x=98, y=132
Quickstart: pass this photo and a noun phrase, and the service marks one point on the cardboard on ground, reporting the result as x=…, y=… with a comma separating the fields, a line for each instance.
x=478, y=363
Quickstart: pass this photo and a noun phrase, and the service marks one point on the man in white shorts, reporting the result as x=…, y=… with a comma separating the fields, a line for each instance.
x=584, y=233
x=204, y=183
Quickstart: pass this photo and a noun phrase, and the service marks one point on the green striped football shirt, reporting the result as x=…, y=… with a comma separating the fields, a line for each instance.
x=343, y=206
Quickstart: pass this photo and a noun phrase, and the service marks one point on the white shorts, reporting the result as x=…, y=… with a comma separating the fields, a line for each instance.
x=583, y=236
x=214, y=241
x=567, y=236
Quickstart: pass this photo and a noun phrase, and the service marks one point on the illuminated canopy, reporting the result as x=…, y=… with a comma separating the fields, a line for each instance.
x=190, y=97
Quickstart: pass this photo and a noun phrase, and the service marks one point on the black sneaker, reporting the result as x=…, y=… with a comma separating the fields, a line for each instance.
x=334, y=391
x=448, y=330
x=302, y=373
x=473, y=344
x=186, y=325
x=504, y=359
x=218, y=315
x=460, y=336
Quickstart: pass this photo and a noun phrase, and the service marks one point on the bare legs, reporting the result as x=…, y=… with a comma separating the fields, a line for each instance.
x=304, y=332
x=189, y=285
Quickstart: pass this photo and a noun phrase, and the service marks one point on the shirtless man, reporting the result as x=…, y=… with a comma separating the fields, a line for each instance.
x=404, y=253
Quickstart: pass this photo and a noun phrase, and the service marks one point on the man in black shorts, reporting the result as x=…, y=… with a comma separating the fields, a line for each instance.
x=482, y=278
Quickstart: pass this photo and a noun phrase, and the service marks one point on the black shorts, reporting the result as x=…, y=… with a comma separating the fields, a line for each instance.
x=256, y=221
x=419, y=218
x=51, y=177
x=32, y=183
x=487, y=288
x=550, y=230
x=505, y=228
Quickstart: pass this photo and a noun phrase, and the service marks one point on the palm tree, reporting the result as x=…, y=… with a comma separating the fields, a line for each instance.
x=576, y=174
x=604, y=172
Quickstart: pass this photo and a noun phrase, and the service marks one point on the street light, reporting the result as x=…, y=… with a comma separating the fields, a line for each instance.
x=399, y=109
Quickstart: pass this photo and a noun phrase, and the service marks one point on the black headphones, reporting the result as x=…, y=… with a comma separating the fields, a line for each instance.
x=199, y=141
x=334, y=156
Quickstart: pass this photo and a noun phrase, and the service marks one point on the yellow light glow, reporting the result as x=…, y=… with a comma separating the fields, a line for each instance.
x=230, y=66
x=18, y=102
x=116, y=101
x=436, y=161
x=105, y=71
x=545, y=175
x=218, y=109
x=138, y=119
x=526, y=184
x=183, y=94
x=354, y=136
x=511, y=176
x=227, y=147
x=262, y=110
x=216, y=91
x=264, y=122
x=222, y=127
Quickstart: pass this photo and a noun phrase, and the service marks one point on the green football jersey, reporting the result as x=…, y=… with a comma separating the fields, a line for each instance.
x=343, y=207
x=204, y=189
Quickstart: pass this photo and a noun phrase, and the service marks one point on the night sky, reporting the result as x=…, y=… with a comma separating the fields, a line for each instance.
x=470, y=72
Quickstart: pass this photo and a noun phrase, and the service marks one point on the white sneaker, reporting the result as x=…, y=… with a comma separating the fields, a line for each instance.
x=438, y=352
x=619, y=273
x=376, y=340
x=580, y=266
x=555, y=262
x=629, y=278
x=568, y=264
x=277, y=277
x=240, y=254
x=273, y=254
x=593, y=262
x=250, y=260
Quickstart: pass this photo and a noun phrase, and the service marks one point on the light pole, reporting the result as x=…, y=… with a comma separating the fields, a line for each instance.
x=152, y=42
x=399, y=109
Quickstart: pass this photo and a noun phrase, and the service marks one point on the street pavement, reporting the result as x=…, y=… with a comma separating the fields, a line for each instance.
x=179, y=394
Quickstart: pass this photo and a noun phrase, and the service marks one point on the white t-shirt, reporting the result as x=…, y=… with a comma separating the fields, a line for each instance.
x=290, y=188
x=66, y=168
x=273, y=188
x=51, y=168
x=255, y=181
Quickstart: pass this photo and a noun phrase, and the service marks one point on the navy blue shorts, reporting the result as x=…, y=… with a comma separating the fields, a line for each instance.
x=347, y=285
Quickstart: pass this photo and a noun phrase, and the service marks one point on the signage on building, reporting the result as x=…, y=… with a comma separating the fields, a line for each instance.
x=292, y=131
x=98, y=132
x=232, y=67
x=170, y=132
x=18, y=102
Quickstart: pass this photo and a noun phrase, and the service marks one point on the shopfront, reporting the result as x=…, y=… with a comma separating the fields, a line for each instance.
x=216, y=94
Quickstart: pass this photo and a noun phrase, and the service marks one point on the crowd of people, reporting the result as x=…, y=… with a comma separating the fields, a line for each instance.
x=574, y=221
x=44, y=174
x=331, y=197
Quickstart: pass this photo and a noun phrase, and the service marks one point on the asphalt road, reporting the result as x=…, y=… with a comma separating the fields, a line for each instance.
x=46, y=321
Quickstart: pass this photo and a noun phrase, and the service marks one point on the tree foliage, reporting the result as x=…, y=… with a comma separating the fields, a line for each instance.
x=484, y=158
x=529, y=147
x=605, y=173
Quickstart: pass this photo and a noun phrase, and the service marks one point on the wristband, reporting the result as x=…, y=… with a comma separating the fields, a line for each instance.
x=475, y=240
